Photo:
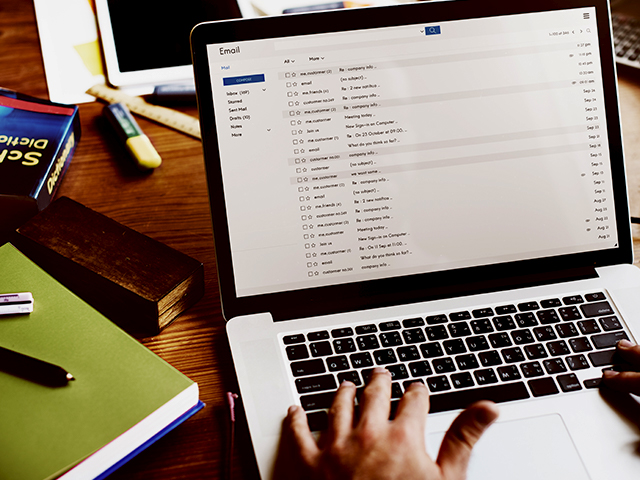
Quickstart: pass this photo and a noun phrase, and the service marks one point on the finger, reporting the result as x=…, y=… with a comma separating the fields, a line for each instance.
x=462, y=435
x=376, y=399
x=629, y=353
x=341, y=412
x=297, y=427
x=414, y=406
x=628, y=382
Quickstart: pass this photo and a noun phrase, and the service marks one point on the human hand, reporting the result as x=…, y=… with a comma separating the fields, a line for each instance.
x=375, y=448
x=627, y=376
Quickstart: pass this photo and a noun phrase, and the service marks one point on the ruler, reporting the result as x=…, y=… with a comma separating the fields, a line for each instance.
x=166, y=116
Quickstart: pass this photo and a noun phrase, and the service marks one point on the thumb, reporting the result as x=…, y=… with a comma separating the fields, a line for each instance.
x=462, y=435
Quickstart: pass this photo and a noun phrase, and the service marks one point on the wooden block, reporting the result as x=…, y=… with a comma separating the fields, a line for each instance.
x=139, y=283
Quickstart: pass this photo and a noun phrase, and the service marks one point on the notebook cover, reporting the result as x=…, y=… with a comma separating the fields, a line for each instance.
x=119, y=382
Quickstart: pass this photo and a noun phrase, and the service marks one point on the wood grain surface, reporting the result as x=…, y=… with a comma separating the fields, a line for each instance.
x=171, y=205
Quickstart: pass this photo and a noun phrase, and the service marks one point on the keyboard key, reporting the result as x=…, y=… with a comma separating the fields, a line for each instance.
x=384, y=357
x=543, y=386
x=569, y=314
x=569, y=382
x=438, y=384
x=594, y=297
x=317, y=400
x=364, y=329
x=567, y=330
x=610, y=323
x=420, y=369
x=509, y=373
x=592, y=383
x=512, y=355
x=463, y=398
x=359, y=360
x=307, y=367
x=297, y=352
x=526, y=320
x=318, y=421
x=506, y=309
x=335, y=364
x=485, y=376
x=602, y=358
x=406, y=354
x=457, y=330
x=462, y=380
x=367, y=342
x=467, y=362
x=482, y=312
x=573, y=300
x=351, y=376
x=344, y=345
x=437, y=332
x=597, y=309
x=413, y=322
x=342, y=332
x=398, y=372
x=457, y=316
x=587, y=327
x=490, y=358
x=531, y=369
x=528, y=306
x=443, y=365
x=520, y=337
x=290, y=339
x=535, y=351
x=482, y=326
x=315, y=384
x=500, y=340
x=413, y=335
x=554, y=365
x=320, y=349
x=453, y=347
x=504, y=322
x=314, y=336
x=551, y=303
x=431, y=350
x=557, y=348
x=580, y=344
x=577, y=362
x=607, y=340
x=390, y=339
x=544, y=334
x=386, y=326
x=547, y=317
x=478, y=343
x=396, y=391
x=436, y=319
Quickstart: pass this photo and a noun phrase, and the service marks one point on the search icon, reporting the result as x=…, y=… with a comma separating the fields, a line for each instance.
x=435, y=30
x=588, y=30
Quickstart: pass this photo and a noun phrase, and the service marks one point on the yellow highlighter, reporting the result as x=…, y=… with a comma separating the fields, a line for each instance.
x=137, y=142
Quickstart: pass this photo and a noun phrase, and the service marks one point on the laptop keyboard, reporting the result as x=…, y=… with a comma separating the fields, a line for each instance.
x=500, y=352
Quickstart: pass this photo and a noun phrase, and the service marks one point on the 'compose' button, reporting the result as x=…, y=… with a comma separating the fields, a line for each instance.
x=243, y=79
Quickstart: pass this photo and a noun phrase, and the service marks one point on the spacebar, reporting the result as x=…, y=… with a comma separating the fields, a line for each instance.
x=505, y=392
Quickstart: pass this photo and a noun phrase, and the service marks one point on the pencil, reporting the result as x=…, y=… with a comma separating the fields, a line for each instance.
x=33, y=369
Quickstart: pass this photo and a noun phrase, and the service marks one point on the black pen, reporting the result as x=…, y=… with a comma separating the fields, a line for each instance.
x=33, y=369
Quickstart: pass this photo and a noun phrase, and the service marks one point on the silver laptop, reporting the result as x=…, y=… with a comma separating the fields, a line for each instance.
x=438, y=188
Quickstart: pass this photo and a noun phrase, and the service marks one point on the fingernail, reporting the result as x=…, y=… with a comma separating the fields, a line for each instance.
x=292, y=409
x=625, y=344
x=422, y=385
x=381, y=370
x=347, y=383
x=610, y=374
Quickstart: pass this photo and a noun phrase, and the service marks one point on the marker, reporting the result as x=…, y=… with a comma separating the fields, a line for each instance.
x=165, y=94
x=137, y=143
x=33, y=369
x=13, y=303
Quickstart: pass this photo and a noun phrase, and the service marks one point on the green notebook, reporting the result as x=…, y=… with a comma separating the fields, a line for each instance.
x=122, y=397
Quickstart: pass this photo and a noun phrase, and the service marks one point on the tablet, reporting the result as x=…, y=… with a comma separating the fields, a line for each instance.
x=146, y=43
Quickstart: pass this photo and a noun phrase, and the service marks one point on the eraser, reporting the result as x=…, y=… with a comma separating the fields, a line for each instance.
x=16, y=303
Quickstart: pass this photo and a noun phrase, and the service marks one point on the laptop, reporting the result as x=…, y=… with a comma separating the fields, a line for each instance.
x=438, y=188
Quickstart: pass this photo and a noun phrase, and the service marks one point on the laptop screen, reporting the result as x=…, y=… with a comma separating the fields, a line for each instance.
x=393, y=151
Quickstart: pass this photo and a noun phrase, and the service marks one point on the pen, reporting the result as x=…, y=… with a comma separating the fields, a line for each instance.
x=33, y=369
x=137, y=142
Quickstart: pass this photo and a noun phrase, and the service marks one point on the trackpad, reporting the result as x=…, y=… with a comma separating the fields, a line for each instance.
x=529, y=449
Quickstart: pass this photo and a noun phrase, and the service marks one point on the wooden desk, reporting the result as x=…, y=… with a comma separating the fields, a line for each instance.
x=171, y=205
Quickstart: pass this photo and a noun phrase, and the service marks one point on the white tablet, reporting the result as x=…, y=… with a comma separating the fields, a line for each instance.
x=146, y=43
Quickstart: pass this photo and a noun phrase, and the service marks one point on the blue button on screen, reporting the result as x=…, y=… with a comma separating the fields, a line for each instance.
x=243, y=79
x=435, y=30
